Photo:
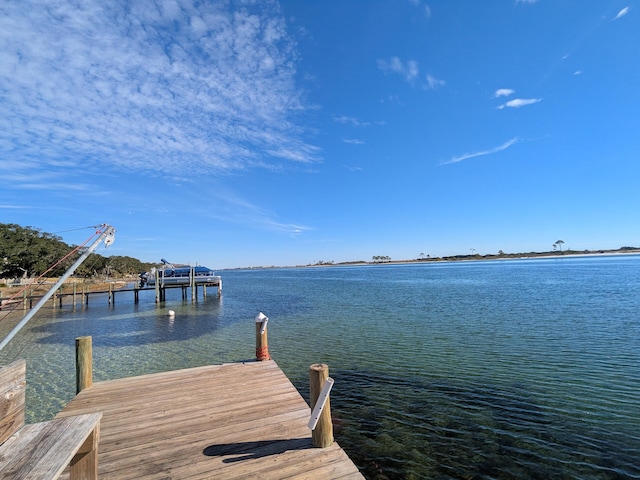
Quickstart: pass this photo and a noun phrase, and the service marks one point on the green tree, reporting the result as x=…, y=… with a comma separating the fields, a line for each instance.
x=27, y=252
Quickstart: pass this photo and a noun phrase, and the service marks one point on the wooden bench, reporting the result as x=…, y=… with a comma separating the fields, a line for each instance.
x=43, y=450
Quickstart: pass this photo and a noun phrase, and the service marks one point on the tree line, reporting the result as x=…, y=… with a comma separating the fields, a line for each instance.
x=27, y=252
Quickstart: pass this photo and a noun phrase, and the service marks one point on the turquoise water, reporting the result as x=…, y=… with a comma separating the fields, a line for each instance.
x=510, y=369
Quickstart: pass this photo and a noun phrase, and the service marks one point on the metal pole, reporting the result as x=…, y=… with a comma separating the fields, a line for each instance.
x=107, y=235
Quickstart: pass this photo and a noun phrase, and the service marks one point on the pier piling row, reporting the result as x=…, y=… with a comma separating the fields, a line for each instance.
x=160, y=291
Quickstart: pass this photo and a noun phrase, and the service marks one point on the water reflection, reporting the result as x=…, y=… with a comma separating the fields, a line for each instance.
x=140, y=327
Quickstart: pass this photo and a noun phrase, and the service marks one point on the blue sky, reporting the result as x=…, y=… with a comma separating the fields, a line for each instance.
x=237, y=134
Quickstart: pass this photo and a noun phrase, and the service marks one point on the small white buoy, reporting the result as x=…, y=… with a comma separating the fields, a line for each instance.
x=172, y=313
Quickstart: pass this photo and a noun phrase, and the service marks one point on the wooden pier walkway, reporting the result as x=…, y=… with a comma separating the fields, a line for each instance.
x=27, y=299
x=231, y=421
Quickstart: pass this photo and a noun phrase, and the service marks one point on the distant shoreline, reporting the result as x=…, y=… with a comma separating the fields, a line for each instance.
x=463, y=258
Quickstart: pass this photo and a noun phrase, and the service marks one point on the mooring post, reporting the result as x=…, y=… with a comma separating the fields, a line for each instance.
x=192, y=282
x=84, y=363
x=85, y=296
x=322, y=434
x=75, y=294
x=262, y=345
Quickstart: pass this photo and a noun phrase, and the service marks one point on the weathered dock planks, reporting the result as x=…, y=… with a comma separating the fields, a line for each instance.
x=238, y=420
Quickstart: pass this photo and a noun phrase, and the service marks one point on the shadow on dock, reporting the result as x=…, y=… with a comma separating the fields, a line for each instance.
x=253, y=450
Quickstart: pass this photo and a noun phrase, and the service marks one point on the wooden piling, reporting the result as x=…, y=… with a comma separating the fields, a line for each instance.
x=84, y=363
x=192, y=282
x=322, y=435
x=262, y=344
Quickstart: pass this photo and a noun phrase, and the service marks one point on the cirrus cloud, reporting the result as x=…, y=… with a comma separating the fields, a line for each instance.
x=519, y=102
x=182, y=85
x=481, y=153
x=622, y=13
x=503, y=92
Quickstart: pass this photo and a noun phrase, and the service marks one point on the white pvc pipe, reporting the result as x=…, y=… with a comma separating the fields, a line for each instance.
x=320, y=403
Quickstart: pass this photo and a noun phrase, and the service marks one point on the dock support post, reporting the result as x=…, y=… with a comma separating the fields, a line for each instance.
x=75, y=294
x=157, y=285
x=84, y=363
x=112, y=296
x=322, y=435
x=220, y=287
x=262, y=344
x=192, y=281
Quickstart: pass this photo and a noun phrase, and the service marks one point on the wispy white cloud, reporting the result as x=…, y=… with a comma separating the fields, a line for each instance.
x=481, y=153
x=519, y=102
x=503, y=92
x=526, y=1
x=352, y=169
x=433, y=83
x=409, y=69
x=179, y=86
x=351, y=121
x=578, y=72
x=622, y=13
x=422, y=6
x=353, y=141
x=237, y=210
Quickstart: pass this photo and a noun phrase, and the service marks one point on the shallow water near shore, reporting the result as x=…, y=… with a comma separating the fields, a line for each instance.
x=505, y=369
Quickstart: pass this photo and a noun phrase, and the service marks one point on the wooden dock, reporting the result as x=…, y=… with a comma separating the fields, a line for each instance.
x=82, y=296
x=237, y=420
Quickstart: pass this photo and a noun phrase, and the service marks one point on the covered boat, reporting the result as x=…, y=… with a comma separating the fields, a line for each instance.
x=170, y=274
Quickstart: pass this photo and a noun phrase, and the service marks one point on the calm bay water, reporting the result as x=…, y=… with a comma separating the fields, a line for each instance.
x=512, y=369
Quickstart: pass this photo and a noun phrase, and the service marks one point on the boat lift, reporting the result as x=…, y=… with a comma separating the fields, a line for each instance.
x=105, y=233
